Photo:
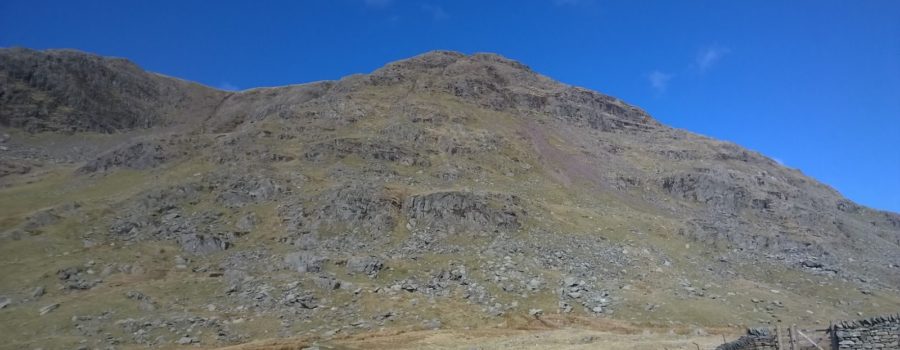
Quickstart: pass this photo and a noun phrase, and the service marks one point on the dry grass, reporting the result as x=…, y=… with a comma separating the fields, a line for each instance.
x=549, y=332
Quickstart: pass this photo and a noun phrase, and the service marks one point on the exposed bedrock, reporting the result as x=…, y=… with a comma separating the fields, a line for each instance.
x=459, y=211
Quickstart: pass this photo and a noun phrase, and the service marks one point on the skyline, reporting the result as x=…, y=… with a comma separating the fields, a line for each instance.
x=813, y=85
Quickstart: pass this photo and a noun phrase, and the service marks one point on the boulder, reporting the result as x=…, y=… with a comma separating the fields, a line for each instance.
x=247, y=222
x=305, y=261
x=368, y=265
x=199, y=243
x=48, y=309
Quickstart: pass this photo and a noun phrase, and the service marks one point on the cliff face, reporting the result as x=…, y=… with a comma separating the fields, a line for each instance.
x=469, y=181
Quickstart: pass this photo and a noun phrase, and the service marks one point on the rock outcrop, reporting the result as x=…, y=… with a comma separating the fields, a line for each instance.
x=65, y=90
x=464, y=211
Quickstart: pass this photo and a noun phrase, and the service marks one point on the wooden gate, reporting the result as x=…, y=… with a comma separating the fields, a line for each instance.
x=796, y=338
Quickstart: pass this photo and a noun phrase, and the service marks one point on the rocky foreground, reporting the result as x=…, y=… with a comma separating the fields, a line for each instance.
x=442, y=192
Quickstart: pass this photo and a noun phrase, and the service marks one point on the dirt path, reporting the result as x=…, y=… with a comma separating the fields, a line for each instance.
x=594, y=336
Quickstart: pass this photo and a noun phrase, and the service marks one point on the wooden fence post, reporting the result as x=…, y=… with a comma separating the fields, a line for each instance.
x=832, y=338
x=791, y=337
x=778, y=339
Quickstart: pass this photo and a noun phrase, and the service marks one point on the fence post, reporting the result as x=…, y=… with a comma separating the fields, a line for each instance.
x=831, y=335
x=778, y=339
x=791, y=337
x=834, y=337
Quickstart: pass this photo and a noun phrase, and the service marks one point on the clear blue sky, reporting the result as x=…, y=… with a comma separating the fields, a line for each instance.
x=814, y=84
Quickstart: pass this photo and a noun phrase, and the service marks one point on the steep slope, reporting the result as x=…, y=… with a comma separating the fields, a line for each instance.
x=445, y=190
x=64, y=90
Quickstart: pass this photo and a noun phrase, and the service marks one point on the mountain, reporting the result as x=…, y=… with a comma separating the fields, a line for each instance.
x=441, y=191
x=64, y=90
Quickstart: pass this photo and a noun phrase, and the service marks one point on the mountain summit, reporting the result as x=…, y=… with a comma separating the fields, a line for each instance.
x=441, y=191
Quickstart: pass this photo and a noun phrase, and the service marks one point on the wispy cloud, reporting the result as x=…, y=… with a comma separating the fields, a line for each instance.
x=228, y=86
x=437, y=12
x=706, y=58
x=378, y=3
x=709, y=56
x=659, y=81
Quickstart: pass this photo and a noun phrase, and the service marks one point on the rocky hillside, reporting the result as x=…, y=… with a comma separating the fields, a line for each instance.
x=441, y=191
x=69, y=91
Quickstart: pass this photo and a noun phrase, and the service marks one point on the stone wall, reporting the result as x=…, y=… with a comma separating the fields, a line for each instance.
x=882, y=332
x=756, y=339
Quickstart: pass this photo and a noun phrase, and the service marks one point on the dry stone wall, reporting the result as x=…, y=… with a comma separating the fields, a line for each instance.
x=882, y=332
x=756, y=339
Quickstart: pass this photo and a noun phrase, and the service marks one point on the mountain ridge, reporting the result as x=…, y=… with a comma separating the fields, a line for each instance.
x=469, y=181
